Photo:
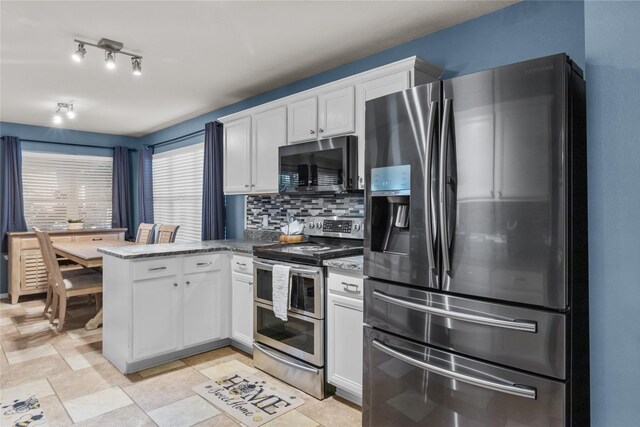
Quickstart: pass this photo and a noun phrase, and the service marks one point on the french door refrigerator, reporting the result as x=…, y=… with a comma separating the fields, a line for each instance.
x=476, y=305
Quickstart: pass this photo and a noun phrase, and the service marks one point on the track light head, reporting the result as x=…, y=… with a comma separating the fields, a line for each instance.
x=57, y=117
x=110, y=60
x=70, y=113
x=78, y=56
x=136, y=65
x=63, y=107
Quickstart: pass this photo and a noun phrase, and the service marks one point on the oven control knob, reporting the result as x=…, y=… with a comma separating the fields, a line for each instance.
x=356, y=227
x=312, y=225
x=319, y=225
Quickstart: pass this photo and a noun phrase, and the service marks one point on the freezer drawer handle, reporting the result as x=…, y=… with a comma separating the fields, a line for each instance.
x=516, y=324
x=275, y=357
x=527, y=392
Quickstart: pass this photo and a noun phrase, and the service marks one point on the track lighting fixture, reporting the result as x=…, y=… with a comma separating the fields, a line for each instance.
x=66, y=108
x=136, y=66
x=111, y=48
x=78, y=56
x=110, y=60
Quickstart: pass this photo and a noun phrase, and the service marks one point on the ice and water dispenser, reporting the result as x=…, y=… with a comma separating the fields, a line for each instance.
x=390, y=209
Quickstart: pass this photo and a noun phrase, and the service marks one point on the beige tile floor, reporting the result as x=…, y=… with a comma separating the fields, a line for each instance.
x=76, y=385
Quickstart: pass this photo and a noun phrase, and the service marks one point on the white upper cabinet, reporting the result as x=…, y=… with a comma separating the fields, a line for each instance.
x=336, y=113
x=237, y=156
x=367, y=91
x=303, y=120
x=269, y=133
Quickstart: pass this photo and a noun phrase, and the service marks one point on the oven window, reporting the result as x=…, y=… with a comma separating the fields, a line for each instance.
x=302, y=290
x=319, y=168
x=294, y=332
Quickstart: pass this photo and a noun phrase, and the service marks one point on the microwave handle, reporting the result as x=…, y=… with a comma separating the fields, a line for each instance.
x=293, y=269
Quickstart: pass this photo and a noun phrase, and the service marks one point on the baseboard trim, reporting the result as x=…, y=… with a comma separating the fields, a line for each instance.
x=347, y=395
x=186, y=352
x=242, y=347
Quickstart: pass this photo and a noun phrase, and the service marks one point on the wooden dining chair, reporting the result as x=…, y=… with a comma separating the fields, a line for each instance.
x=63, y=288
x=167, y=233
x=145, y=234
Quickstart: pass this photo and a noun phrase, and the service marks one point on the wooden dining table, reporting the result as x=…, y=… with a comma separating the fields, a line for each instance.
x=86, y=254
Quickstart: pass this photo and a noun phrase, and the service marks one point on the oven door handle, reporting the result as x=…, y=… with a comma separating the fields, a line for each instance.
x=294, y=270
x=277, y=358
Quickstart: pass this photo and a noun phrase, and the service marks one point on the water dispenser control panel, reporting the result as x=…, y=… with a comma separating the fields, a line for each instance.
x=391, y=180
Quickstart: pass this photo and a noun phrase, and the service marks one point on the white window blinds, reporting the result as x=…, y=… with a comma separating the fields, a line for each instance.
x=177, y=190
x=58, y=187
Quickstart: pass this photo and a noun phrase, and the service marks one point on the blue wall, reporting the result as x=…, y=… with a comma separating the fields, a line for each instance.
x=613, y=108
x=102, y=142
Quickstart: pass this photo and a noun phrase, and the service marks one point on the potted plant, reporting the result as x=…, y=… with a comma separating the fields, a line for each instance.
x=75, y=224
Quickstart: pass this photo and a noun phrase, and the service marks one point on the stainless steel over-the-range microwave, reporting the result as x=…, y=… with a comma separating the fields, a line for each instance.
x=324, y=166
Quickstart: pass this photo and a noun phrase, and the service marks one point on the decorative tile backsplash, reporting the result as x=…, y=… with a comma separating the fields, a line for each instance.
x=279, y=208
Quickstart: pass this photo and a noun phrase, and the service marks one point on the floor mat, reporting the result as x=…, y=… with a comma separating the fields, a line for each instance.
x=22, y=412
x=250, y=400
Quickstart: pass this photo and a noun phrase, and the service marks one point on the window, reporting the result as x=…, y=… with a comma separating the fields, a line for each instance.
x=177, y=190
x=58, y=187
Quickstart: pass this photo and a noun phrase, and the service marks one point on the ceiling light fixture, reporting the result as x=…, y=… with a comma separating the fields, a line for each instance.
x=136, y=66
x=78, y=56
x=111, y=48
x=63, y=107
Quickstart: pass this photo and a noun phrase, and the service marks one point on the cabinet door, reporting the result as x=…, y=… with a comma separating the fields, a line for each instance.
x=370, y=90
x=303, y=120
x=155, y=316
x=242, y=308
x=337, y=113
x=269, y=133
x=237, y=156
x=203, y=307
x=344, y=336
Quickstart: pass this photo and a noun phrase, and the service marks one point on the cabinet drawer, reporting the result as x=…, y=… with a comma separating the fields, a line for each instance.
x=201, y=263
x=95, y=237
x=346, y=284
x=32, y=242
x=242, y=264
x=156, y=267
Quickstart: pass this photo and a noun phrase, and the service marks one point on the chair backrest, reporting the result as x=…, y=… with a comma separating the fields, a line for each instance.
x=50, y=262
x=145, y=234
x=167, y=233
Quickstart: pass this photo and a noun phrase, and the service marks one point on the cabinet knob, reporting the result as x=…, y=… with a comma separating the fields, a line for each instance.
x=320, y=130
x=175, y=284
x=188, y=283
x=246, y=186
x=312, y=131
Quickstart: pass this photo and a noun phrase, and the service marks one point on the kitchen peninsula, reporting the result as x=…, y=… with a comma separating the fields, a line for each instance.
x=167, y=301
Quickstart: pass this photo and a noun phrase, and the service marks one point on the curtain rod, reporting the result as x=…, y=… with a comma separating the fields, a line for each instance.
x=176, y=139
x=69, y=144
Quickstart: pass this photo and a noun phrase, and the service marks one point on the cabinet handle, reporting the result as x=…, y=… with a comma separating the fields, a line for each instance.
x=320, y=130
x=312, y=131
x=246, y=186
x=175, y=285
x=157, y=268
x=347, y=287
x=241, y=263
x=95, y=239
x=200, y=264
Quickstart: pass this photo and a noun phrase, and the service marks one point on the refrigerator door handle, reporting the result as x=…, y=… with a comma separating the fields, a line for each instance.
x=427, y=186
x=514, y=324
x=518, y=390
x=444, y=231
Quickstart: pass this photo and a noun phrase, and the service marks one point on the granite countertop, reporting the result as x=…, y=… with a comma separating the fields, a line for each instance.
x=244, y=246
x=353, y=263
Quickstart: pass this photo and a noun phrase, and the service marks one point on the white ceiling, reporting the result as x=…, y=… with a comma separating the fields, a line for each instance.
x=198, y=56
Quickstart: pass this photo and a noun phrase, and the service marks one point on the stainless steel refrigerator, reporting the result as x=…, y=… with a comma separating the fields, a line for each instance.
x=476, y=305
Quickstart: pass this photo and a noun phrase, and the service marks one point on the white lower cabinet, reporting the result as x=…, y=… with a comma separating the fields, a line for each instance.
x=344, y=333
x=155, y=316
x=163, y=308
x=242, y=301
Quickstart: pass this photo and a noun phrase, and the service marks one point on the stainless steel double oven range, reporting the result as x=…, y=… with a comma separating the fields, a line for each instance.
x=294, y=350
